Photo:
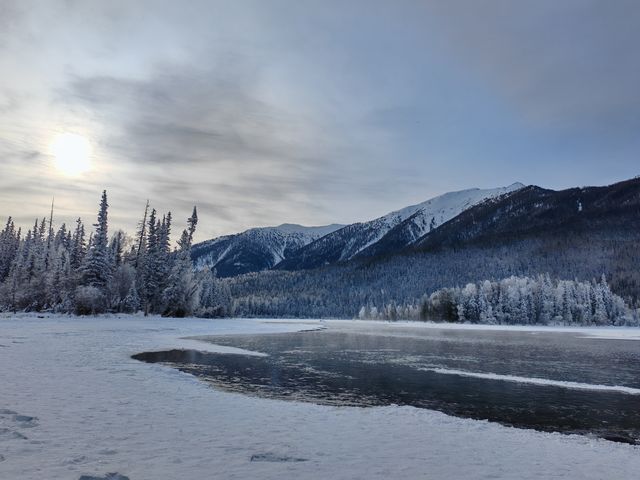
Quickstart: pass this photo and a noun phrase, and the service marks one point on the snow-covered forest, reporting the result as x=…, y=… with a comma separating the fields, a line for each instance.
x=340, y=291
x=516, y=301
x=70, y=270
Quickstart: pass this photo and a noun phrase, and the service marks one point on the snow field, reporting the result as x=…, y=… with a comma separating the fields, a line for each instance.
x=73, y=403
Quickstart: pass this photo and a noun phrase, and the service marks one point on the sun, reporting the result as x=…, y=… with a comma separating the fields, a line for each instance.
x=72, y=153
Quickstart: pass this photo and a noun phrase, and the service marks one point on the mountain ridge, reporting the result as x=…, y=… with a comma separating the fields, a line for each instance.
x=293, y=247
x=255, y=249
x=370, y=238
x=579, y=233
x=577, y=209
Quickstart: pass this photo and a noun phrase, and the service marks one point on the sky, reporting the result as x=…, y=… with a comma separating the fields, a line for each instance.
x=270, y=111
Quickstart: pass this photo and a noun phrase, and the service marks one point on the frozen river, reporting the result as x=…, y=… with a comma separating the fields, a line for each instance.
x=74, y=404
x=567, y=382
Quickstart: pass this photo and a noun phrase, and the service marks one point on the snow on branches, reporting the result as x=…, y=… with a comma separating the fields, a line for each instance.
x=516, y=301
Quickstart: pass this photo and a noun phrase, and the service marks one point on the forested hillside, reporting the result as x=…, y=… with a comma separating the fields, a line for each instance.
x=579, y=233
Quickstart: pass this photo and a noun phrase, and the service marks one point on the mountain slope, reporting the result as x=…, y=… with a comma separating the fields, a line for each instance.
x=534, y=212
x=255, y=249
x=579, y=233
x=389, y=233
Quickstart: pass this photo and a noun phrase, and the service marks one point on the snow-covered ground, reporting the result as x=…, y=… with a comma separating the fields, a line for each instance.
x=386, y=327
x=73, y=403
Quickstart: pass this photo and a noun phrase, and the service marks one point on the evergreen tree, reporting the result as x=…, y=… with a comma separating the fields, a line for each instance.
x=9, y=243
x=141, y=235
x=182, y=295
x=153, y=275
x=215, y=297
x=116, y=248
x=131, y=302
x=97, y=266
x=78, y=245
x=60, y=271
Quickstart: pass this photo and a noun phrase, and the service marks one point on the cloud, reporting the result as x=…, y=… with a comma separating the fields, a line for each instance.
x=312, y=112
x=204, y=135
x=569, y=66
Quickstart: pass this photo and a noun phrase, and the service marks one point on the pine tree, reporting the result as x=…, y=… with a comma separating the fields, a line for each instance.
x=215, y=297
x=60, y=271
x=182, y=294
x=78, y=245
x=97, y=266
x=131, y=302
x=152, y=273
x=9, y=243
x=141, y=235
x=116, y=248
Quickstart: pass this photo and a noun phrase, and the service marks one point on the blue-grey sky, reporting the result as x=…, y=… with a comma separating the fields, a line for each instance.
x=270, y=111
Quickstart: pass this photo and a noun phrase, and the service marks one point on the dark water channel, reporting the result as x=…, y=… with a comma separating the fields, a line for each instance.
x=551, y=381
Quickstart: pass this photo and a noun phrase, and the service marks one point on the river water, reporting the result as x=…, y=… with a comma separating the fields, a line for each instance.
x=545, y=380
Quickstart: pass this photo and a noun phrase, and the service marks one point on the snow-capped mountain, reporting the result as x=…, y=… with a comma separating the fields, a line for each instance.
x=255, y=249
x=572, y=217
x=390, y=232
x=430, y=215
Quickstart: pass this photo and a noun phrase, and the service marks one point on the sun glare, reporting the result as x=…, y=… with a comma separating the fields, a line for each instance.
x=72, y=153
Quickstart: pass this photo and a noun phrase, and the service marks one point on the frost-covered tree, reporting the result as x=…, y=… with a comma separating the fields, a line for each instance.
x=154, y=260
x=78, y=247
x=131, y=303
x=89, y=300
x=151, y=277
x=120, y=285
x=215, y=296
x=9, y=244
x=97, y=266
x=60, y=271
x=181, y=297
x=519, y=301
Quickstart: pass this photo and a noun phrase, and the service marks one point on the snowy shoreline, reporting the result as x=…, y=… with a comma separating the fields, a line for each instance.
x=94, y=410
x=610, y=332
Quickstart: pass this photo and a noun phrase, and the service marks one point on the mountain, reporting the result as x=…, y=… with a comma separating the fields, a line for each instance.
x=534, y=212
x=578, y=233
x=255, y=249
x=389, y=233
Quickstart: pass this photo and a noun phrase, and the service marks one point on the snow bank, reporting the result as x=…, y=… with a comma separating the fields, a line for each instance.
x=608, y=332
x=73, y=403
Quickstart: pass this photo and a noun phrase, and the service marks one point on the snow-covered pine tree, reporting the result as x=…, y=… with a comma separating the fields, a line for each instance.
x=215, y=296
x=141, y=236
x=152, y=276
x=78, y=245
x=9, y=243
x=116, y=248
x=97, y=267
x=182, y=293
x=59, y=280
x=131, y=302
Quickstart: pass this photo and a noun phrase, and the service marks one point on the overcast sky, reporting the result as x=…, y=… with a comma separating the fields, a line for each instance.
x=263, y=112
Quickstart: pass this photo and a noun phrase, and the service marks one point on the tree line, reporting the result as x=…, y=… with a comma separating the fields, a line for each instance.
x=516, y=301
x=65, y=271
x=81, y=271
x=339, y=291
